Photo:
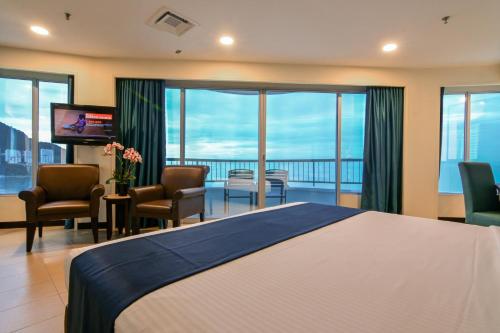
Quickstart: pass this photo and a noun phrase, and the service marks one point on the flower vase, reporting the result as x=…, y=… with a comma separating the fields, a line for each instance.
x=122, y=189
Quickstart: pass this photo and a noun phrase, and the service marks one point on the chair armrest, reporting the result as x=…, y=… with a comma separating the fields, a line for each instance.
x=34, y=198
x=96, y=192
x=189, y=193
x=187, y=202
x=145, y=193
x=34, y=195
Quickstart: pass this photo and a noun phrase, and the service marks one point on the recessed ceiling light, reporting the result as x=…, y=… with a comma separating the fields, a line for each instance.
x=39, y=30
x=390, y=47
x=226, y=40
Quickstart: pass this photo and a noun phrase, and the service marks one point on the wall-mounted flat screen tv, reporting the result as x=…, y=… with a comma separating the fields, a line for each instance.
x=83, y=124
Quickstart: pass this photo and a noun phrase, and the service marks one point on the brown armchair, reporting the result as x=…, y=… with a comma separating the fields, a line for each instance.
x=62, y=192
x=181, y=194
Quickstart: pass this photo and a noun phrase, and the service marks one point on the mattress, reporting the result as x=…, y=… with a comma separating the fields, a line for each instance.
x=373, y=272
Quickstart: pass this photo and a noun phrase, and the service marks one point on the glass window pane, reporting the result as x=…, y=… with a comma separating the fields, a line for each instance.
x=173, y=125
x=49, y=92
x=222, y=132
x=452, y=144
x=15, y=135
x=352, y=145
x=301, y=147
x=484, y=130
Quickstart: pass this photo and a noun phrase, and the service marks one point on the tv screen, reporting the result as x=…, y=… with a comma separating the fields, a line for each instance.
x=83, y=124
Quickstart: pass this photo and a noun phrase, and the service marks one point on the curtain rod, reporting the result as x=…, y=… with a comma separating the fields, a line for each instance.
x=251, y=85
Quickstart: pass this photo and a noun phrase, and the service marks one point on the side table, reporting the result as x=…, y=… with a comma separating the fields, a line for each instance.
x=119, y=200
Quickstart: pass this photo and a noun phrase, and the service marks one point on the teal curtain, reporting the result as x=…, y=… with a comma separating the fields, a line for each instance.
x=141, y=110
x=383, y=150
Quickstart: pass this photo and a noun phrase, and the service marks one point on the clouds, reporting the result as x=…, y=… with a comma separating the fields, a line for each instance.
x=16, y=105
x=243, y=148
x=222, y=124
x=299, y=125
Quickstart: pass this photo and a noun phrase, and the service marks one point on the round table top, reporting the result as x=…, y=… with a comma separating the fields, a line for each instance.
x=116, y=197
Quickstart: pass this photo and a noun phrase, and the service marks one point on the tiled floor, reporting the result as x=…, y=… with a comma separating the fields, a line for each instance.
x=32, y=290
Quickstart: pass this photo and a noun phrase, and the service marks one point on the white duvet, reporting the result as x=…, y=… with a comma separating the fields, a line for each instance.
x=373, y=272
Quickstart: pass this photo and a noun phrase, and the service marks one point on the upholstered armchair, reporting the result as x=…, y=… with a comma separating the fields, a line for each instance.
x=480, y=193
x=181, y=194
x=62, y=191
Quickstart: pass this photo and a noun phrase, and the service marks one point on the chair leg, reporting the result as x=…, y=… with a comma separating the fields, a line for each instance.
x=94, y=223
x=177, y=223
x=134, y=221
x=40, y=229
x=202, y=216
x=30, y=235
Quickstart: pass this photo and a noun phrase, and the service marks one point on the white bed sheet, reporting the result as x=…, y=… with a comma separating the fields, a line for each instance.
x=373, y=272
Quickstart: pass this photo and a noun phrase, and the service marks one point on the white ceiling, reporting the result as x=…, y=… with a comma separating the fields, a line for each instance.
x=337, y=32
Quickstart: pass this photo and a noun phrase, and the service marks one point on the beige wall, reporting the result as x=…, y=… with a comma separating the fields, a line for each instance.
x=95, y=85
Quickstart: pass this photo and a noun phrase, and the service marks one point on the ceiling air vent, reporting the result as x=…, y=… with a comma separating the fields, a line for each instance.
x=167, y=20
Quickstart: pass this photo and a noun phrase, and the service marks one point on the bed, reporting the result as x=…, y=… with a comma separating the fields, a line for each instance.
x=372, y=272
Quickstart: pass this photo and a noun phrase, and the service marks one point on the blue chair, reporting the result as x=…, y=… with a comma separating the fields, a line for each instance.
x=482, y=206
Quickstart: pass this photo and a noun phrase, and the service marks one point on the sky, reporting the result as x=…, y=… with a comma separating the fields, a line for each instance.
x=15, y=104
x=224, y=125
x=221, y=124
x=300, y=125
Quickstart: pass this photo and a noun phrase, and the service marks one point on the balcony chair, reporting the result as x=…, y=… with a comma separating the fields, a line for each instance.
x=279, y=184
x=181, y=194
x=481, y=200
x=62, y=191
x=242, y=182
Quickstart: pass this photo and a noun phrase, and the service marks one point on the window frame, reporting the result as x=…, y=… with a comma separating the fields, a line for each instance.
x=263, y=89
x=36, y=78
x=467, y=92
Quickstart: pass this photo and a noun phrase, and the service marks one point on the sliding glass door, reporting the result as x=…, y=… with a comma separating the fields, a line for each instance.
x=267, y=147
x=353, y=108
x=221, y=131
x=301, y=147
x=173, y=126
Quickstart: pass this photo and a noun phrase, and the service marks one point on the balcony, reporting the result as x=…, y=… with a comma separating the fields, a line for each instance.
x=311, y=180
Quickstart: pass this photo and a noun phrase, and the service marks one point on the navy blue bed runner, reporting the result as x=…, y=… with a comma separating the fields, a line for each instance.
x=106, y=280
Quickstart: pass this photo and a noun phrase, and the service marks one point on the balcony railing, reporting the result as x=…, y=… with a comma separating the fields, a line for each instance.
x=313, y=171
